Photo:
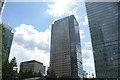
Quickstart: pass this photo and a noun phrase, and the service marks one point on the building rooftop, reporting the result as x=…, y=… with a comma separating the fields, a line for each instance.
x=31, y=61
x=66, y=17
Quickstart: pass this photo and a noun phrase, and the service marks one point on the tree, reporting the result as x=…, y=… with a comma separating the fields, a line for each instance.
x=21, y=74
x=2, y=37
x=1, y=51
x=13, y=62
x=51, y=74
x=25, y=74
x=3, y=30
x=8, y=69
x=2, y=48
x=28, y=74
x=40, y=74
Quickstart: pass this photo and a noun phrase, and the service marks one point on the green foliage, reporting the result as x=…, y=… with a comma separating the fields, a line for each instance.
x=63, y=77
x=1, y=44
x=4, y=55
x=40, y=74
x=51, y=74
x=0, y=41
x=29, y=74
x=7, y=69
x=13, y=62
x=37, y=74
x=3, y=30
x=3, y=50
x=2, y=35
x=25, y=74
x=3, y=65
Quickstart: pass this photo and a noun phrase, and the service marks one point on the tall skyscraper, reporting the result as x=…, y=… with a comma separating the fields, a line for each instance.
x=7, y=41
x=65, y=53
x=2, y=3
x=104, y=24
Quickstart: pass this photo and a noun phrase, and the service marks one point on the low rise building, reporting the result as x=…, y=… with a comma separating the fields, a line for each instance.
x=33, y=66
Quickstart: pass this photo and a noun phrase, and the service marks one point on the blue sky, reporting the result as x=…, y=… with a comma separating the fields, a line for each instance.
x=31, y=24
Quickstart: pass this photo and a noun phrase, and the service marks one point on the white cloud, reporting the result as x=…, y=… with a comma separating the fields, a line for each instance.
x=90, y=64
x=90, y=72
x=31, y=38
x=30, y=44
x=88, y=44
x=87, y=57
x=85, y=21
x=60, y=7
x=74, y=12
x=81, y=34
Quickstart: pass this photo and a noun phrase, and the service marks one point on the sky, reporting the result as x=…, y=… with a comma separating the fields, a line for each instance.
x=31, y=24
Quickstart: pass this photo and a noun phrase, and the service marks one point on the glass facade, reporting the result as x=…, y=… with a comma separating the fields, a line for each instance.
x=104, y=27
x=65, y=47
x=7, y=41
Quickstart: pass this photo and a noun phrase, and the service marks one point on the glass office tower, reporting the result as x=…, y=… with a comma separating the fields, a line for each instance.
x=7, y=41
x=65, y=54
x=104, y=25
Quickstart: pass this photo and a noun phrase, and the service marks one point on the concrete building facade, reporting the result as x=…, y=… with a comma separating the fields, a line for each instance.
x=104, y=25
x=33, y=66
x=65, y=52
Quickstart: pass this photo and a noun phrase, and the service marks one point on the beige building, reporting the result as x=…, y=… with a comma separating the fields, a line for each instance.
x=33, y=65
